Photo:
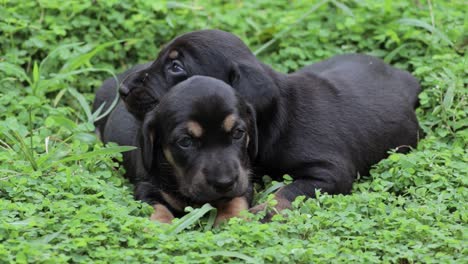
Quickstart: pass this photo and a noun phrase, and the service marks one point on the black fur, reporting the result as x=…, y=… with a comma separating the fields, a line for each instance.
x=215, y=168
x=322, y=125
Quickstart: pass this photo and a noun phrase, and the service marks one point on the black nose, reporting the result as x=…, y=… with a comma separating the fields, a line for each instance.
x=124, y=91
x=223, y=184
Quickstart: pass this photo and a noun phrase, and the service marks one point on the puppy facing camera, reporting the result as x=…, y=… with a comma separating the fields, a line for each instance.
x=196, y=147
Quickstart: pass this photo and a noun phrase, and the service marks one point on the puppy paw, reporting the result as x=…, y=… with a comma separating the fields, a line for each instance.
x=162, y=214
x=231, y=209
x=270, y=211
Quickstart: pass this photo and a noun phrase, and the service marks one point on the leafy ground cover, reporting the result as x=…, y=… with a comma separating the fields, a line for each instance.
x=63, y=200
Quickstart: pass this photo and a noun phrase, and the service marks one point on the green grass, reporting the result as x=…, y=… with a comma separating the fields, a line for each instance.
x=63, y=199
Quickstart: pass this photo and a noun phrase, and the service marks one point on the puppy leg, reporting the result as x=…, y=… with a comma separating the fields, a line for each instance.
x=161, y=214
x=231, y=209
x=324, y=179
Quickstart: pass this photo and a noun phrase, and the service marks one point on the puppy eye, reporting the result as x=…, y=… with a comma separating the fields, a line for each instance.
x=185, y=142
x=176, y=67
x=238, y=133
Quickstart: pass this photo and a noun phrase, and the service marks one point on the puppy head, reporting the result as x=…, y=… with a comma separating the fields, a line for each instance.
x=213, y=53
x=207, y=134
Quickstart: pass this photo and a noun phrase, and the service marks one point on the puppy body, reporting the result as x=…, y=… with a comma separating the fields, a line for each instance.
x=322, y=125
x=335, y=119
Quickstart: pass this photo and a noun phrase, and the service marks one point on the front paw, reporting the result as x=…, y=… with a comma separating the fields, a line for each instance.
x=231, y=209
x=162, y=214
x=270, y=210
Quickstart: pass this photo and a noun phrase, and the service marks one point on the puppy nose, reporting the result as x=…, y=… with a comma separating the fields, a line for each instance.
x=224, y=184
x=124, y=91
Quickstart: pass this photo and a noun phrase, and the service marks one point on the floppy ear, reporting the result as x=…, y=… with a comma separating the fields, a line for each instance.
x=252, y=148
x=147, y=139
x=253, y=82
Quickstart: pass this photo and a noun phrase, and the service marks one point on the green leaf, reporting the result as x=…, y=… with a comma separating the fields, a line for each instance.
x=14, y=70
x=61, y=121
x=422, y=24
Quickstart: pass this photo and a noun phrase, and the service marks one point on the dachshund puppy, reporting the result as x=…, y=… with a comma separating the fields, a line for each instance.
x=196, y=147
x=323, y=124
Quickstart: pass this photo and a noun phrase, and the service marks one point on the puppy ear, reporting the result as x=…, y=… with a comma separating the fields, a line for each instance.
x=253, y=81
x=148, y=140
x=252, y=148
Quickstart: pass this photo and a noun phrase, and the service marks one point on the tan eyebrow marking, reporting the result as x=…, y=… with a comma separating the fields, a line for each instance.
x=170, y=159
x=195, y=129
x=173, y=54
x=229, y=122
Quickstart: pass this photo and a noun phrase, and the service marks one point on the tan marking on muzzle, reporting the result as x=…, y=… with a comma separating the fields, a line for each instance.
x=195, y=129
x=161, y=214
x=229, y=122
x=231, y=209
x=173, y=54
x=170, y=159
x=175, y=203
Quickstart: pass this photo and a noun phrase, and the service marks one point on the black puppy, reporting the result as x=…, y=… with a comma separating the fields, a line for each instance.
x=195, y=148
x=322, y=125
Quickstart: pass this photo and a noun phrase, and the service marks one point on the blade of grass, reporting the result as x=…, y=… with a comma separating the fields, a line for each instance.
x=343, y=7
x=31, y=132
x=27, y=152
x=421, y=24
x=4, y=145
x=175, y=5
x=59, y=96
x=98, y=111
x=190, y=218
x=96, y=116
x=36, y=77
x=93, y=117
x=211, y=219
x=84, y=59
x=393, y=53
x=12, y=69
x=271, y=189
x=288, y=29
x=47, y=238
x=231, y=254
x=92, y=154
x=55, y=51
x=450, y=93
x=82, y=102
